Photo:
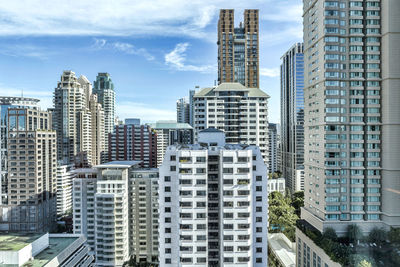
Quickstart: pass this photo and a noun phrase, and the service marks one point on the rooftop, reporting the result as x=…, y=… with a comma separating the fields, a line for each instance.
x=169, y=125
x=210, y=91
x=118, y=164
x=206, y=147
x=279, y=244
x=56, y=246
x=84, y=170
x=16, y=241
x=211, y=130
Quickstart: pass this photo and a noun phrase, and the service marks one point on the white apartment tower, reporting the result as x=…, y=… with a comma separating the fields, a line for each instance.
x=116, y=208
x=64, y=189
x=240, y=112
x=213, y=204
x=352, y=122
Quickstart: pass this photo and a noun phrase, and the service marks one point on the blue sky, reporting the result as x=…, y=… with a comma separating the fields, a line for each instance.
x=155, y=50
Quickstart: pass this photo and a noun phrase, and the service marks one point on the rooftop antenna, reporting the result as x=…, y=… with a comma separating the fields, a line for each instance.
x=22, y=93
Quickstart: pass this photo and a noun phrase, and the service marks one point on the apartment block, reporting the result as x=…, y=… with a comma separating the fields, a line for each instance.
x=292, y=117
x=32, y=165
x=78, y=121
x=64, y=189
x=116, y=208
x=213, y=204
x=171, y=133
x=238, y=48
x=242, y=113
x=143, y=217
x=7, y=102
x=352, y=125
x=133, y=142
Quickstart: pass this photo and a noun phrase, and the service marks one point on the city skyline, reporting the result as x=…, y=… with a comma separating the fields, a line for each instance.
x=143, y=63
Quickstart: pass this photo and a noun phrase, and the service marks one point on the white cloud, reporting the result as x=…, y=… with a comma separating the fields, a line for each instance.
x=274, y=72
x=25, y=50
x=177, y=57
x=45, y=97
x=126, y=48
x=146, y=113
x=130, y=17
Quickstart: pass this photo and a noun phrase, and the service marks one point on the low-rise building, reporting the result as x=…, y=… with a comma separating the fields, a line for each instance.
x=44, y=250
x=276, y=185
x=282, y=252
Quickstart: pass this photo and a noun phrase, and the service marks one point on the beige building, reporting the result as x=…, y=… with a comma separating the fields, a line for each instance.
x=238, y=48
x=115, y=205
x=32, y=165
x=78, y=120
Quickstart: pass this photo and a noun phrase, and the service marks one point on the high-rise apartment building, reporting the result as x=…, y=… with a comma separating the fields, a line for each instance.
x=292, y=117
x=238, y=48
x=171, y=133
x=213, y=204
x=64, y=189
x=143, y=216
x=240, y=112
x=116, y=208
x=273, y=137
x=104, y=89
x=32, y=165
x=133, y=142
x=7, y=102
x=97, y=134
x=182, y=110
x=352, y=122
x=78, y=122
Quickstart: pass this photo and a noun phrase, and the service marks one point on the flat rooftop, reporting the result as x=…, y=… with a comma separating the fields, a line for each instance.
x=282, y=250
x=56, y=246
x=119, y=164
x=15, y=242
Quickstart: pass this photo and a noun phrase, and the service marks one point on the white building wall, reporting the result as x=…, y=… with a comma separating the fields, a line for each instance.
x=185, y=237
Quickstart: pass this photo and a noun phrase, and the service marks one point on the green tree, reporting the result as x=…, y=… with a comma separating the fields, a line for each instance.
x=298, y=201
x=394, y=235
x=354, y=233
x=364, y=263
x=282, y=217
x=377, y=235
x=330, y=234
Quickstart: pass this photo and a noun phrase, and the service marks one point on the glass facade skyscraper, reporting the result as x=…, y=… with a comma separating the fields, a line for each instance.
x=292, y=117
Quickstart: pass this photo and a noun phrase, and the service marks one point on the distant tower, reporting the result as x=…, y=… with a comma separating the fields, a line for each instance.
x=182, y=110
x=238, y=48
x=292, y=117
x=74, y=118
x=104, y=88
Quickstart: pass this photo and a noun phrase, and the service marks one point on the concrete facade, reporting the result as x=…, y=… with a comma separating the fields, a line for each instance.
x=213, y=202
